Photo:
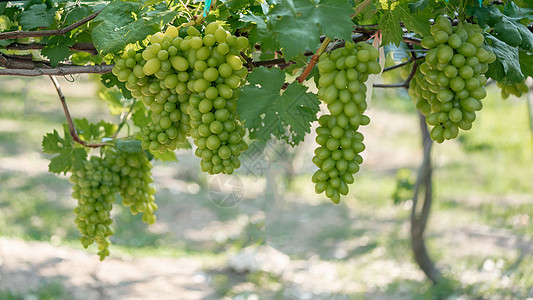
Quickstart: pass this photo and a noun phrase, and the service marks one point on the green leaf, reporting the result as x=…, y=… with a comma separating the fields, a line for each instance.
x=261, y=33
x=508, y=32
x=118, y=27
x=56, y=53
x=519, y=13
x=299, y=23
x=418, y=5
x=390, y=28
x=53, y=143
x=90, y=132
x=68, y=155
x=140, y=116
x=129, y=145
x=266, y=112
x=37, y=16
x=167, y=156
x=508, y=27
x=526, y=63
x=109, y=80
x=506, y=68
x=417, y=22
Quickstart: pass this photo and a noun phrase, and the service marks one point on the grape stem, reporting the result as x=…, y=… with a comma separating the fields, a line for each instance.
x=71, y=128
x=124, y=118
x=314, y=60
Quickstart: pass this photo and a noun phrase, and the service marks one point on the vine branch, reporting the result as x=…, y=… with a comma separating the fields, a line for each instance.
x=71, y=128
x=83, y=47
x=59, y=71
x=41, y=33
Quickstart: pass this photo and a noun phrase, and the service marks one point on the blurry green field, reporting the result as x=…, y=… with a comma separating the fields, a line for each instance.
x=479, y=232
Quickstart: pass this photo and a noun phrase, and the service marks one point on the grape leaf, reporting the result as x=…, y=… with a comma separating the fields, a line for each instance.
x=506, y=68
x=261, y=33
x=139, y=116
x=526, y=63
x=68, y=155
x=508, y=32
x=266, y=112
x=167, y=156
x=299, y=23
x=507, y=28
x=93, y=132
x=390, y=28
x=118, y=27
x=418, y=5
x=417, y=22
x=518, y=13
x=56, y=53
x=109, y=80
x=37, y=16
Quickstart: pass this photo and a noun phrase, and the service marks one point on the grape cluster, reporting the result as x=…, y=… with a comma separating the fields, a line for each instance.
x=416, y=92
x=134, y=170
x=190, y=85
x=453, y=80
x=341, y=86
x=513, y=89
x=94, y=186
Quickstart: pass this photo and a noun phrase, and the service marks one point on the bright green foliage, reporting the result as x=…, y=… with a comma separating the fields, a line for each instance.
x=118, y=27
x=266, y=112
x=298, y=24
x=390, y=23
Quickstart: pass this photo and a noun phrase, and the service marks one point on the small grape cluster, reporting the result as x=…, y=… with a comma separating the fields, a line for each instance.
x=513, y=89
x=453, y=80
x=190, y=85
x=343, y=73
x=94, y=186
x=136, y=191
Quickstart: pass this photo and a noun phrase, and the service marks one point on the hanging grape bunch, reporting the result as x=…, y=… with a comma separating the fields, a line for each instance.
x=341, y=86
x=94, y=186
x=513, y=89
x=453, y=74
x=136, y=191
x=190, y=85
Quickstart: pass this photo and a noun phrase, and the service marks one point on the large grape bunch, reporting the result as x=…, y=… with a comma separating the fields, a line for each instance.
x=136, y=191
x=94, y=186
x=453, y=82
x=190, y=85
x=341, y=86
x=216, y=73
x=513, y=89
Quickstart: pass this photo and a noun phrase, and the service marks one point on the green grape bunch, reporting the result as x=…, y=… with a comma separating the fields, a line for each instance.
x=516, y=90
x=136, y=191
x=343, y=73
x=453, y=80
x=190, y=84
x=94, y=186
